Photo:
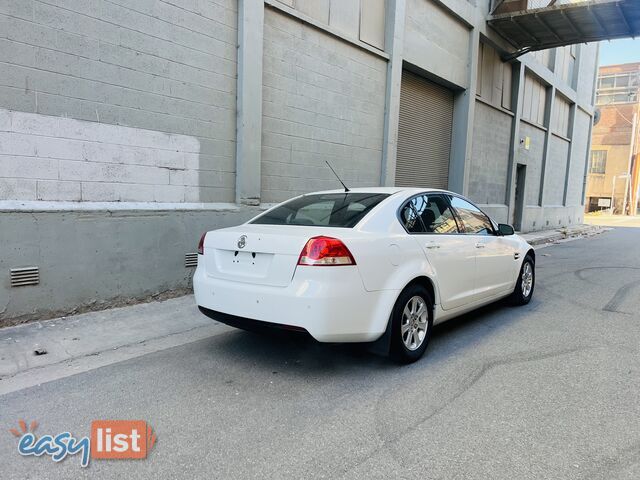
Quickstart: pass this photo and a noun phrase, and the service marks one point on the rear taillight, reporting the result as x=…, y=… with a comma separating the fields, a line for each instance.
x=325, y=252
x=201, y=244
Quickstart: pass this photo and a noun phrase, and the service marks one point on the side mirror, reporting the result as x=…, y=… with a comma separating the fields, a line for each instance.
x=505, y=229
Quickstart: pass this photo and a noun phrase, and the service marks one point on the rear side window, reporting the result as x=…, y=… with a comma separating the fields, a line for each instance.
x=323, y=210
x=410, y=217
x=428, y=214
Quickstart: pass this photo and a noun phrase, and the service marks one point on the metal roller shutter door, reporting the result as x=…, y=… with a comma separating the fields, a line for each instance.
x=424, y=133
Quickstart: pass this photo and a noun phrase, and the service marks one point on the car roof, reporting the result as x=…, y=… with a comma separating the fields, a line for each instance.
x=387, y=190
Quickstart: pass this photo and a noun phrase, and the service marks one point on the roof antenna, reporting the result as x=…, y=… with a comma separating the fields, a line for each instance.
x=334, y=172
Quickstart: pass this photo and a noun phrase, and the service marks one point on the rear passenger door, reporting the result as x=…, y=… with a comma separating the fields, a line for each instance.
x=494, y=254
x=430, y=220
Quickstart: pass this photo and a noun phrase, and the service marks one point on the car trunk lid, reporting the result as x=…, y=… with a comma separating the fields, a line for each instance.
x=257, y=254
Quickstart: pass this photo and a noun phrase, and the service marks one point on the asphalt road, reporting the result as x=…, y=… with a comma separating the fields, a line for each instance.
x=549, y=390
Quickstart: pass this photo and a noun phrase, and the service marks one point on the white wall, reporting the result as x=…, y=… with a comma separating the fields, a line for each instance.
x=61, y=159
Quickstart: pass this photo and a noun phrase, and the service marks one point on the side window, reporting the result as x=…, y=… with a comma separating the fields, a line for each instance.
x=410, y=217
x=473, y=220
x=430, y=214
x=437, y=215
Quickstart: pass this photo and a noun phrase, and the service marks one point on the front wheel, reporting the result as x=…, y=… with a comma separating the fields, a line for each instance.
x=412, y=320
x=526, y=282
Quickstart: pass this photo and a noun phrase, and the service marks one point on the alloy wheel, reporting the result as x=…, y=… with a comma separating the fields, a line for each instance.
x=527, y=279
x=414, y=324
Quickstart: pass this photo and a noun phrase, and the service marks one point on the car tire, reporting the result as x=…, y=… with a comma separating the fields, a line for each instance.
x=526, y=282
x=411, y=324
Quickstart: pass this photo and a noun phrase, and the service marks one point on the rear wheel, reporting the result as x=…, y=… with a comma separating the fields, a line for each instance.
x=412, y=319
x=526, y=282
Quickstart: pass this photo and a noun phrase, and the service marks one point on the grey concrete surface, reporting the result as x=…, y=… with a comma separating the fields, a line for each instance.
x=91, y=260
x=549, y=390
x=546, y=237
x=83, y=342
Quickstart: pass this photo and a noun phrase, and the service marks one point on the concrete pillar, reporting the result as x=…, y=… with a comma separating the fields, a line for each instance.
x=463, y=117
x=249, y=101
x=517, y=85
x=588, y=159
x=585, y=176
x=572, y=122
x=394, y=41
x=548, y=115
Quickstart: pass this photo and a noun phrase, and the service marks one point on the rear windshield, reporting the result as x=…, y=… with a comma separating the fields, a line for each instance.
x=323, y=210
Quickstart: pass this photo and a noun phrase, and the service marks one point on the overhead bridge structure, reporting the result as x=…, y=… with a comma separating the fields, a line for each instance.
x=531, y=25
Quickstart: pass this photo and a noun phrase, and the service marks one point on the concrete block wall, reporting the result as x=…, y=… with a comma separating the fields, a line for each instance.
x=551, y=218
x=490, y=160
x=323, y=100
x=171, y=67
x=556, y=171
x=61, y=159
x=154, y=65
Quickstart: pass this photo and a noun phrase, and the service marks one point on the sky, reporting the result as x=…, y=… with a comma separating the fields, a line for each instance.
x=619, y=51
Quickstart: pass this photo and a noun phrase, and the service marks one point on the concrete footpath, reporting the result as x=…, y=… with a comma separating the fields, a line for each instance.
x=565, y=233
x=47, y=350
x=43, y=351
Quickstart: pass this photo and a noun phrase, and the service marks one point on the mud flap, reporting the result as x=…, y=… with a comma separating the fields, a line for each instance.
x=383, y=344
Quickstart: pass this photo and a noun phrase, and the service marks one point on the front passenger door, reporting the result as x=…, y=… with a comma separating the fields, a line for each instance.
x=495, y=260
x=430, y=220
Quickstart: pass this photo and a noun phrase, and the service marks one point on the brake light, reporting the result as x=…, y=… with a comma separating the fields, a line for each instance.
x=201, y=244
x=325, y=252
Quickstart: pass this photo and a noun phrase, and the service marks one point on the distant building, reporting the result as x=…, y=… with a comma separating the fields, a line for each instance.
x=614, y=170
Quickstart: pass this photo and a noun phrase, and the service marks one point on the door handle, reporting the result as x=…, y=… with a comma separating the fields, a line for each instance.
x=432, y=245
x=480, y=245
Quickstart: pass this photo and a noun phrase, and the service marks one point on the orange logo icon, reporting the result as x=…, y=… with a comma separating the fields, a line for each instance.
x=120, y=439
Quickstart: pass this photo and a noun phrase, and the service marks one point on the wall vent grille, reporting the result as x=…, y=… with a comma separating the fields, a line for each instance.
x=21, y=277
x=191, y=260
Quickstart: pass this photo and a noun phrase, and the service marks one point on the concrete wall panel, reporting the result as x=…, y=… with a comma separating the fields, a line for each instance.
x=97, y=259
x=316, y=9
x=490, y=158
x=549, y=218
x=345, y=17
x=436, y=42
x=556, y=171
x=323, y=99
x=586, y=74
x=372, y=22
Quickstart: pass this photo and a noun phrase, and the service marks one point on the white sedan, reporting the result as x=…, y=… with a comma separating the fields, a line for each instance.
x=362, y=265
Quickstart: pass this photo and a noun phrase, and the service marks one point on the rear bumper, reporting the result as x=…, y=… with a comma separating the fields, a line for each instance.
x=331, y=304
x=249, y=323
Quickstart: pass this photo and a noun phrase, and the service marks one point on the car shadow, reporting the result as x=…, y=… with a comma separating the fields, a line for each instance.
x=298, y=354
